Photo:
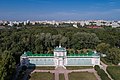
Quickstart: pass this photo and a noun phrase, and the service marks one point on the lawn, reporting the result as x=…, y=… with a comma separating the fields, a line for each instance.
x=61, y=77
x=43, y=68
x=42, y=76
x=114, y=71
x=78, y=67
x=104, y=60
x=82, y=76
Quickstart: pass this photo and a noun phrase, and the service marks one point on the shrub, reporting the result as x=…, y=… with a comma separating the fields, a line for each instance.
x=96, y=68
x=101, y=73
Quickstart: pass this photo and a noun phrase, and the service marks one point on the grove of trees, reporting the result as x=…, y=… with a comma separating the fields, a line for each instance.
x=13, y=42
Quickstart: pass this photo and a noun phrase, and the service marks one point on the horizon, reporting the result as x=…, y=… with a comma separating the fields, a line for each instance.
x=55, y=20
x=59, y=10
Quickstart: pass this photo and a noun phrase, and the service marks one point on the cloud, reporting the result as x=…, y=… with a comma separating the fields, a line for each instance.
x=110, y=14
x=69, y=15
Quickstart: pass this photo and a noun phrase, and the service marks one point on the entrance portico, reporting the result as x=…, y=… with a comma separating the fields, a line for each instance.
x=60, y=62
x=60, y=56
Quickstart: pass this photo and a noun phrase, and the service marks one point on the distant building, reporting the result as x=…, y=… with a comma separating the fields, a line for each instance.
x=75, y=25
x=119, y=64
x=94, y=27
x=10, y=24
x=2, y=27
x=60, y=58
x=115, y=25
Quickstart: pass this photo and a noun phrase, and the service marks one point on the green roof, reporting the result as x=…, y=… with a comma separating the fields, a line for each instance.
x=89, y=54
x=24, y=55
x=30, y=54
x=59, y=49
x=41, y=54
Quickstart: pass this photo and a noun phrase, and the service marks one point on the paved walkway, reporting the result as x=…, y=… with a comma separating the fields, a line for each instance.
x=104, y=67
x=61, y=70
x=97, y=76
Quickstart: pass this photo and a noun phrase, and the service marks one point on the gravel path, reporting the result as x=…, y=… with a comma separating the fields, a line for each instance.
x=104, y=67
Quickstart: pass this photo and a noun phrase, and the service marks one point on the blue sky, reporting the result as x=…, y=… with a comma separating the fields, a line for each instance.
x=59, y=9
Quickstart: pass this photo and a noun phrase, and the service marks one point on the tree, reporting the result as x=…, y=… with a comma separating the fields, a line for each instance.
x=102, y=48
x=63, y=41
x=38, y=45
x=113, y=55
x=7, y=66
x=83, y=40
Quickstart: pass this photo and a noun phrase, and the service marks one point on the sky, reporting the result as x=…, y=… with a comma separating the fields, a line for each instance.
x=59, y=9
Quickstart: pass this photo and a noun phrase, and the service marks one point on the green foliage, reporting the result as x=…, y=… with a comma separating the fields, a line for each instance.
x=84, y=40
x=101, y=73
x=114, y=71
x=113, y=55
x=106, y=61
x=43, y=38
x=7, y=66
x=103, y=48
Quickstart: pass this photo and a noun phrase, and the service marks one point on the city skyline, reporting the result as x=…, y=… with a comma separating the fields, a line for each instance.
x=59, y=10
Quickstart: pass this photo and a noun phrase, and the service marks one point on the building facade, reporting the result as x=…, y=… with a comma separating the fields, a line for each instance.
x=60, y=58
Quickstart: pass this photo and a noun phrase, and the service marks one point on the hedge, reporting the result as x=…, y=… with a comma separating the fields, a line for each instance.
x=101, y=73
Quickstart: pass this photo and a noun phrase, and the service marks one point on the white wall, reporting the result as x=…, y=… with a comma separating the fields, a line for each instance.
x=83, y=61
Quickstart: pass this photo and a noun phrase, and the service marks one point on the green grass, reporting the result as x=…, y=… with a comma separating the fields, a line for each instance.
x=61, y=77
x=78, y=67
x=104, y=60
x=42, y=76
x=114, y=71
x=68, y=67
x=43, y=68
x=82, y=76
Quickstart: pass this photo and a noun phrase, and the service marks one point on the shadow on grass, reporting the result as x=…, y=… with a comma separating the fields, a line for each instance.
x=30, y=69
